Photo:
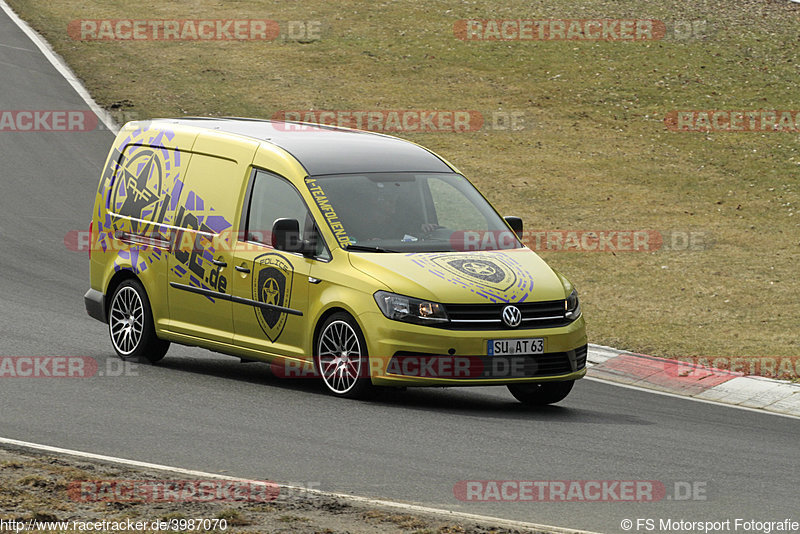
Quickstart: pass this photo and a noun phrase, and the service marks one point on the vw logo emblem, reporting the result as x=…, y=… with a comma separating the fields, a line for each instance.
x=512, y=316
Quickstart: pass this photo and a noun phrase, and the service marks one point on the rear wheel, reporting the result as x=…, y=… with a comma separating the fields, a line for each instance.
x=341, y=357
x=541, y=393
x=130, y=324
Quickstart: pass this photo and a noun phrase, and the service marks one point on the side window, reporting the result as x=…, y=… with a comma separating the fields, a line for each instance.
x=274, y=198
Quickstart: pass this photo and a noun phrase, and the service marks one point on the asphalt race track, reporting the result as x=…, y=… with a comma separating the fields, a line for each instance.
x=203, y=411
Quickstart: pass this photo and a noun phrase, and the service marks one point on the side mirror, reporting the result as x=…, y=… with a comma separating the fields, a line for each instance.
x=286, y=237
x=516, y=224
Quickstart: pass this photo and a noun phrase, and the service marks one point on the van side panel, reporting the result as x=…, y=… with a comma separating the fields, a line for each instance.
x=207, y=218
x=134, y=207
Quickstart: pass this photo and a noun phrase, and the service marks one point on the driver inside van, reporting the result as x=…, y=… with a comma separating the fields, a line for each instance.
x=391, y=218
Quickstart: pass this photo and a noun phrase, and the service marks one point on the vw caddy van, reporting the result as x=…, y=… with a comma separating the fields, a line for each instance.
x=359, y=258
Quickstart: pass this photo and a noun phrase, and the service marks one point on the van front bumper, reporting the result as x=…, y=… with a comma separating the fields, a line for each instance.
x=403, y=354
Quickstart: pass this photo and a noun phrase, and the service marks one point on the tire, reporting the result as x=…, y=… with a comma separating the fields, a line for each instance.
x=130, y=325
x=341, y=357
x=541, y=393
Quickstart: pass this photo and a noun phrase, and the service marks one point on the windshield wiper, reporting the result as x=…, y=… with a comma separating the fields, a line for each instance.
x=365, y=248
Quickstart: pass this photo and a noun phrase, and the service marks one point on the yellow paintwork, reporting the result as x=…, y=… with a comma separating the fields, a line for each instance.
x=217, y=167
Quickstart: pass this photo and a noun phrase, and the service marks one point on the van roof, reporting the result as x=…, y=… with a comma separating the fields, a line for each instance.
x=327, y=149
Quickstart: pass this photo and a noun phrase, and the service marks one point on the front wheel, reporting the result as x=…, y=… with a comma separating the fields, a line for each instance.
x=541, y=393
x=341, y=357
x=130, y=324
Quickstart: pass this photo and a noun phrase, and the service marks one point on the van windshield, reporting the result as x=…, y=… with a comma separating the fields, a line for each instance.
x=409, y=212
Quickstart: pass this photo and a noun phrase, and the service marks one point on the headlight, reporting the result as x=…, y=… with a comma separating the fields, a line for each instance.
x=572, y=306
x=409, y=309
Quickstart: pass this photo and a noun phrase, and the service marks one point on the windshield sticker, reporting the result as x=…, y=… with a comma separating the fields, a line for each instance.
x=327, y=210
x=496, y=277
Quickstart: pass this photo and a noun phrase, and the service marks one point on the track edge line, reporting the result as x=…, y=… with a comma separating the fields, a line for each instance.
x=61, y=66
x=25, y=445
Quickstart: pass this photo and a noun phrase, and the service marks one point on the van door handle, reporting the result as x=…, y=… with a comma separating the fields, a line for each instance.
x=219, y=263
x=242, y=269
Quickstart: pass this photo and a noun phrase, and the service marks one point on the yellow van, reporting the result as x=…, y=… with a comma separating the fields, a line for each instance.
x=359, y=258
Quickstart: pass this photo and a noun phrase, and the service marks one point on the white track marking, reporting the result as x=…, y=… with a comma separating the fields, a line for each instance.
x=61, y=67
x=686, y=397
x=446, y=514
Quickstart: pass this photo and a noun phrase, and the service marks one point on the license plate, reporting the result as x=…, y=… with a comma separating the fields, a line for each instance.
x=506, y=347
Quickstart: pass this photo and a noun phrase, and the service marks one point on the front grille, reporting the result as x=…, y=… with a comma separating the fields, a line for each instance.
x=549, y=314
x=480, y=367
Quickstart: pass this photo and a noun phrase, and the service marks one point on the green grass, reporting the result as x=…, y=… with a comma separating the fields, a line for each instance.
x=595, y=153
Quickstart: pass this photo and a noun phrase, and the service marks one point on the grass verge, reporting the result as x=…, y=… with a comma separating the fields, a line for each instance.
x=35, y=487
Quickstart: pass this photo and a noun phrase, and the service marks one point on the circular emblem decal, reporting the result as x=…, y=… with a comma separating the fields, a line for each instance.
x=478, y=268
x=512, y=316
